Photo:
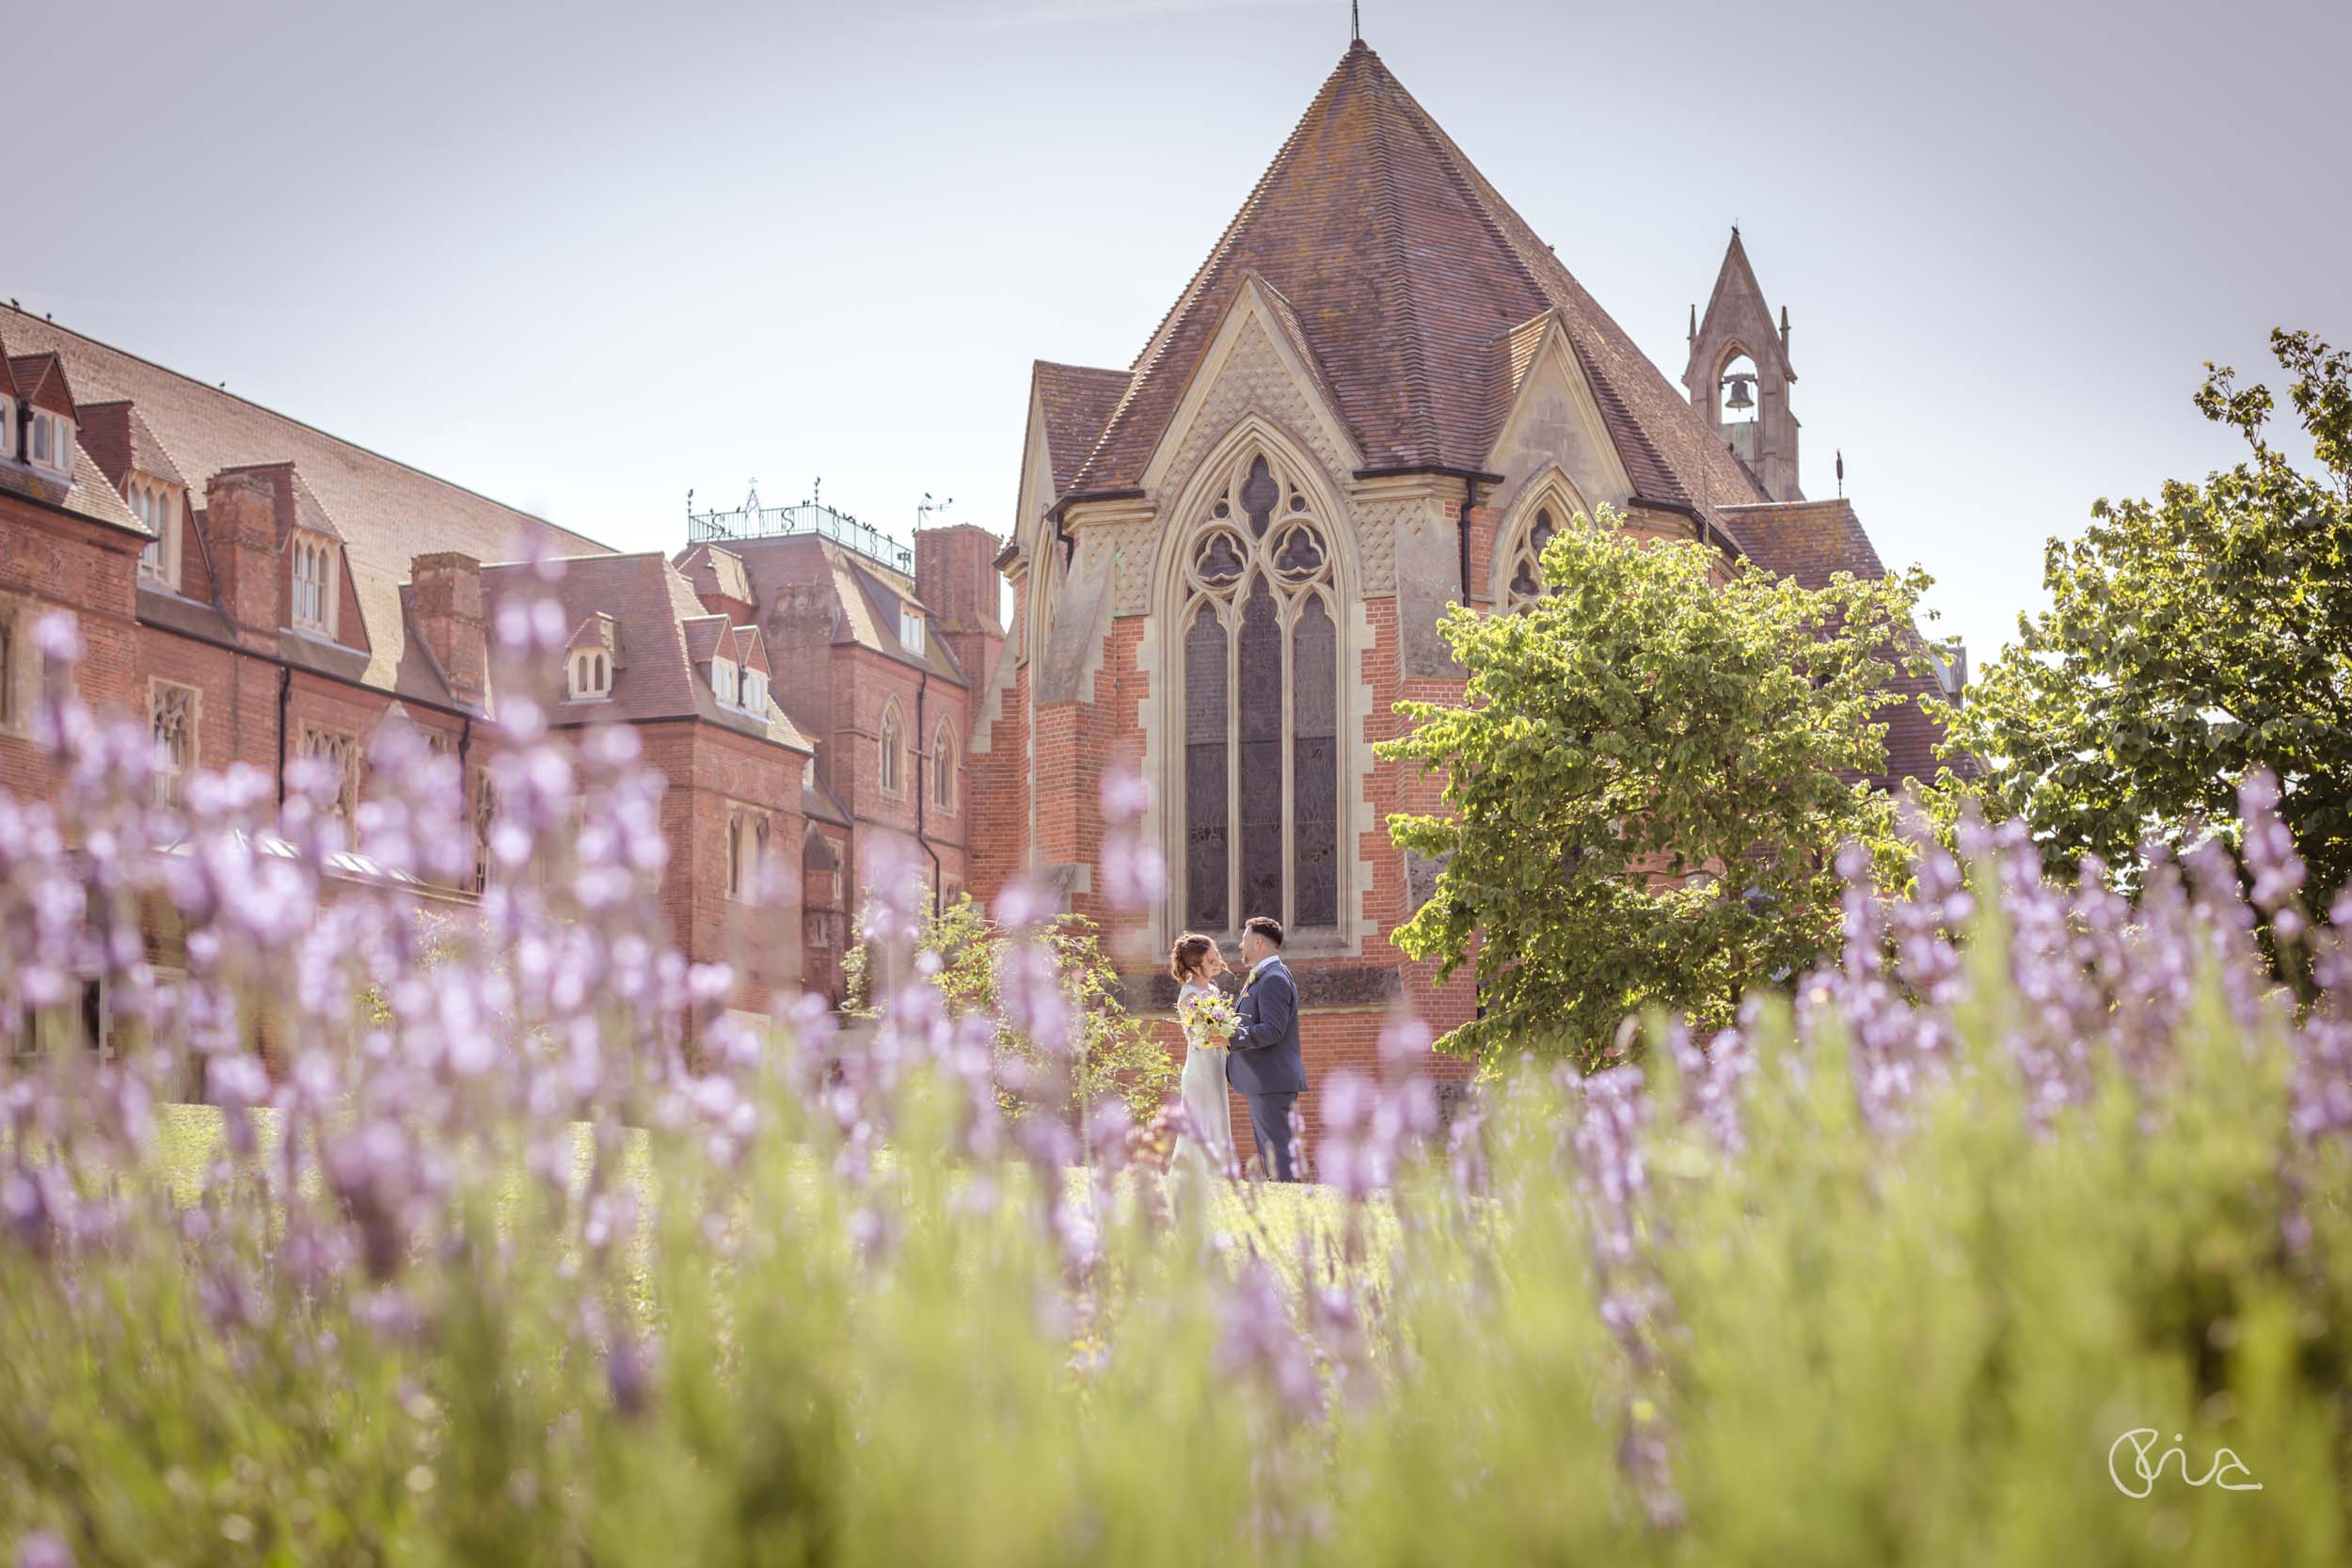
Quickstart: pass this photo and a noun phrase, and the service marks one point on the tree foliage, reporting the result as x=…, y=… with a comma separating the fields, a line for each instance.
x=2188, y=640
x=1644, y=789
x=1114, y=1053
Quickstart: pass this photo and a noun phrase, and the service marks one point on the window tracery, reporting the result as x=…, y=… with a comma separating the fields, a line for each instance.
x=1259, y=637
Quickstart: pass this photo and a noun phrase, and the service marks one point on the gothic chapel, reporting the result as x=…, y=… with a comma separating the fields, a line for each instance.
x=1377, y=397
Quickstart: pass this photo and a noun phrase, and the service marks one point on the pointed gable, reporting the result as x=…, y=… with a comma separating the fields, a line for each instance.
x=40, y=383
x=1736, y=309
x=114, y=433
x=1401, y=268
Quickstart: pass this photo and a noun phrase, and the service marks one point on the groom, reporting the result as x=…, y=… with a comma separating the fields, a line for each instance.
x=1264, y=1064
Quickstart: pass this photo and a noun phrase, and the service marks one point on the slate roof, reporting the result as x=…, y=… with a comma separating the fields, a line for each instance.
x=386, y=511
x=1402, y=268
x=655, y=611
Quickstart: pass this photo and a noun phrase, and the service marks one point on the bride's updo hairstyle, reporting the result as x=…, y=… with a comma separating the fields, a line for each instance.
x=1191, y=951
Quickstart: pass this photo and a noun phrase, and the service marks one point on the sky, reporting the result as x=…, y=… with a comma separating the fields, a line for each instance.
x=586, y=257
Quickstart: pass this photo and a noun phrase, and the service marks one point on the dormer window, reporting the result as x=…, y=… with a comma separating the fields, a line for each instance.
x=157, y=505
x=755, y=692
x=910, y=628
x=591, y=675
x=314, y=584
x=52, y=441
x=8, y=426
x=725, y=679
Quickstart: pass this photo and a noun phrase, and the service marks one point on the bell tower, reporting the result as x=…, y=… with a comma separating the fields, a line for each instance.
x=1739, y=375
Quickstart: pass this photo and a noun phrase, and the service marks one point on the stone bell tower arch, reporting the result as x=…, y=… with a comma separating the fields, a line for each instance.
x=1739, y=375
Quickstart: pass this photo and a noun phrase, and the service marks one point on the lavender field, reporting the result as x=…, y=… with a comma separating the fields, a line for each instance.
x=1982, y=1244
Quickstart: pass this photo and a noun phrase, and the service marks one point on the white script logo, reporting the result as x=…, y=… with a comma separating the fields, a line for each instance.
x=2141, y=1439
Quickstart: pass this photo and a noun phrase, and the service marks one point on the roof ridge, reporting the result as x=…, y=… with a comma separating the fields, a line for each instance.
x=323, y=434
x=1139, y=370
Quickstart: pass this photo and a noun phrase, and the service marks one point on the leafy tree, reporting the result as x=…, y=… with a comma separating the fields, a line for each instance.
x=1643, y=788
x=2188, y=640
x=1115, y=1055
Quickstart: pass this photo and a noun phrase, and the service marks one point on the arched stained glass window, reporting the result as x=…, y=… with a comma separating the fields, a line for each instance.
x=1259, y=632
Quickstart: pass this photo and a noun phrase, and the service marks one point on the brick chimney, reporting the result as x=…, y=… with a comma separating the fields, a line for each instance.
x=248, y=569
x=956, y=577
x=445, y=602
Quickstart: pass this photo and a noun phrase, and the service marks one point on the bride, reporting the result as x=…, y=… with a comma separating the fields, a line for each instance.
x=1207, y=1016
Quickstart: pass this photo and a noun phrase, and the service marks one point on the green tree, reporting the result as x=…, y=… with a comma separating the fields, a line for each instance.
x=2189, y=639
x=1115, y=1055
x=1643, y=786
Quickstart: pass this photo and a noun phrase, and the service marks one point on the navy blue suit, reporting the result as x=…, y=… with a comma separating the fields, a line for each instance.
x=1266, y=1063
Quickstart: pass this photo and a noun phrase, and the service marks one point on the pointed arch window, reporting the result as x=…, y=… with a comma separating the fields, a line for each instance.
x=1526, y=584
x=944, y=761
x=892, y=770
x=1259, y=637
x=314, y=584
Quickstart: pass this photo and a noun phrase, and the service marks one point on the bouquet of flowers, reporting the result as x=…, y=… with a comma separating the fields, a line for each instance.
x=1209, y=1019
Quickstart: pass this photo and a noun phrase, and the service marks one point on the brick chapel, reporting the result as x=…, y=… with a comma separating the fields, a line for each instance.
x=1379, y=395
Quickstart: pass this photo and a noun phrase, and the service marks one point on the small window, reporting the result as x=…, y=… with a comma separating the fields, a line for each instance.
x=314, y=584
x=755, y=692
x=8, y=426
x=591, y=675
x=341, y=752
x=910, y=629
x=53, y=441
x=12, y=666
x=747, y=854
x=723, y=679
x=171, y=719
x=485, y=813
x=893, y=767
x=157, y=505
x=944, y=761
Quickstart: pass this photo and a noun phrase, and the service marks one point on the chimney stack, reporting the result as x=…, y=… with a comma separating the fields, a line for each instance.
x=445, y=602
x=956, y=577
x=248, y=568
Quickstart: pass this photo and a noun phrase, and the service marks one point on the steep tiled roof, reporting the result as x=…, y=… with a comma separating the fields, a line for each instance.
x=865, y=596
x=39, y=380
x=1403, y=267
x=651, y=606
x=42, y=381
x=1077, y=401
x=385, y=512
x=118, y=438
x=1811, y=541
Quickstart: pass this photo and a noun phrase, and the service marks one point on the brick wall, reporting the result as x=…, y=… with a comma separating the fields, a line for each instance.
x=52, y=561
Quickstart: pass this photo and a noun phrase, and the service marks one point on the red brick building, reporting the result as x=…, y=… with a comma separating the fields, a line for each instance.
x=1376, y=398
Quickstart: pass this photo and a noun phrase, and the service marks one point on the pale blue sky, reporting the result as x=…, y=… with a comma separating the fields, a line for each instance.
x=583, y=256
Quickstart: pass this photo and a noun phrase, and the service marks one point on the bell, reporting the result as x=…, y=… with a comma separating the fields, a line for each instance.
x=1739, y=397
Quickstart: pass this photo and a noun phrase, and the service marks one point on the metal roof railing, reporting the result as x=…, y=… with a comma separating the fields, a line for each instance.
x=752, y=520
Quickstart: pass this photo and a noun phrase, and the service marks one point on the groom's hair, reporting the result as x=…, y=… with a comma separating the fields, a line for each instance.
x=1267, y=927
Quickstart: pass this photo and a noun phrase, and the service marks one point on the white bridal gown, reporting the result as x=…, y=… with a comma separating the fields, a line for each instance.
x=1207, y=1110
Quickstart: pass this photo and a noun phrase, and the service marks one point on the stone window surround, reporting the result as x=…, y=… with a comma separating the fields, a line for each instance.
x=318, y=553
x=1550, y=492
x=186, y=703
x=157, y=503
x=890, y=744
x=943, y=767
x=1164, y=712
